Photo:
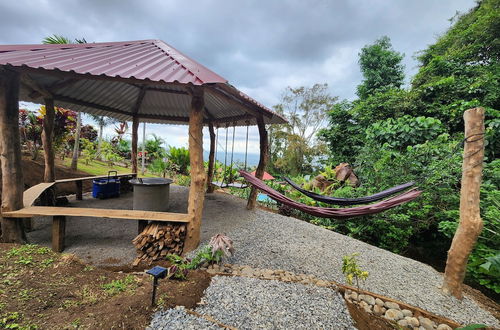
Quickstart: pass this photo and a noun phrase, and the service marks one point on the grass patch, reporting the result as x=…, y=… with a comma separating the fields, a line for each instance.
x=126, y=284
x=96, y=167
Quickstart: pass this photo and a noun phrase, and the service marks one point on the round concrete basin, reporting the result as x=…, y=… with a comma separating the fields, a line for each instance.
x=151, y=194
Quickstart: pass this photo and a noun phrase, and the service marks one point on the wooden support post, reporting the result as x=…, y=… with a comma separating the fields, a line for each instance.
x=48, y=141
x=79, y=190
x=264, y=151
x=135, y=128
x=198, y=175
x=10, y=156
x=211, y=159
x=470, y=225
x=58, y=233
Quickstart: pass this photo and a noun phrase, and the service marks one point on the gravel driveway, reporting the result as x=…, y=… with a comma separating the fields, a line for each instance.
x=268, y=240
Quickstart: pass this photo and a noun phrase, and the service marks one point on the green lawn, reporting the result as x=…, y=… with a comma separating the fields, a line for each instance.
x=101, y=168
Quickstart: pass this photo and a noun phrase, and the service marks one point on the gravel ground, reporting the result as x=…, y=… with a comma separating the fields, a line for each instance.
x=268, y=240
x=249, y=303
x=178, y=319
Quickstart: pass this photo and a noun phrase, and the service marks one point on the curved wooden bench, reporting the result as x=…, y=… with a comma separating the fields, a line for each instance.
x=59, y=215
x=32, y=194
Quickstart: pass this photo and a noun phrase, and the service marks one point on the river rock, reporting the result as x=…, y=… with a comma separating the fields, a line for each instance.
x=392, y=305
x=444, y=327
x=369, y=299
x=379, y=302
x=407, y=312
x=354, y=296
x=426, y=323
x=379, y=310
x=403, y=323
x=394, y=314
x=413, y=321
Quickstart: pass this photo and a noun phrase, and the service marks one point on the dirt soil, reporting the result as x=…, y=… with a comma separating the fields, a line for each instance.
x=33, y=175
x=45, y=290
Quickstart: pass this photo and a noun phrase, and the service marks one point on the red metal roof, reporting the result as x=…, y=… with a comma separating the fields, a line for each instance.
x=152, y=60
x=107, y=79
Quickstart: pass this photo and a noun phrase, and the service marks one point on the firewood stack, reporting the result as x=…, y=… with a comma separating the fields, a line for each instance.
x=157, y=240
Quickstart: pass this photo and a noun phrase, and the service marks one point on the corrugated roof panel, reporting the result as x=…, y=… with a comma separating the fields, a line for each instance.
x=140, y=63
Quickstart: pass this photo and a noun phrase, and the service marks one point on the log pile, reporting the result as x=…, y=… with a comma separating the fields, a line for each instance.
x=157, y=240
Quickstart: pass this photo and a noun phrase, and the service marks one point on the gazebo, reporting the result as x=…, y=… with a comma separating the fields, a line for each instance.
x=138, y=81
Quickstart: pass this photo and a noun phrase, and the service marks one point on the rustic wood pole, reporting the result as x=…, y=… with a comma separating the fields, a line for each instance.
x=198, y=175
x=143, y=158
x=10, y=156
x=76, y=146
x=470, y=225
x=135, y=127
x=211, y=159
x=48, y=141
x=264, y=152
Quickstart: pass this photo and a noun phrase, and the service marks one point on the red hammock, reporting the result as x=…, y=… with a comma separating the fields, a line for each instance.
x=329, y=212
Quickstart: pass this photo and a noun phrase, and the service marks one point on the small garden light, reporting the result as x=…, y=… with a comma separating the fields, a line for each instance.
x=158, y=273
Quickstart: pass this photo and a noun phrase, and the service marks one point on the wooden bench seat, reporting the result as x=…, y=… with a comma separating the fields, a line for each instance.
x=59, y=215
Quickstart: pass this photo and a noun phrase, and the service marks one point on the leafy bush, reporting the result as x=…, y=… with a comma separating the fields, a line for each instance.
x=404, y=131
x=179, y=157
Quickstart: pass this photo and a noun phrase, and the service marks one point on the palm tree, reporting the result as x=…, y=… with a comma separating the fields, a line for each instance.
x=58, y=39
x=102, y=121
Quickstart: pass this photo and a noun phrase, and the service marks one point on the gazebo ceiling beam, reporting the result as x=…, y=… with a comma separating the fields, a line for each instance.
x=55, y=87
x=27, y=81
x=246, y=106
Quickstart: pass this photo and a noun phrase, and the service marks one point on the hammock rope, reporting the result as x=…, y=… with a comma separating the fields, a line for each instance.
x=350, y=201
x=327, y=212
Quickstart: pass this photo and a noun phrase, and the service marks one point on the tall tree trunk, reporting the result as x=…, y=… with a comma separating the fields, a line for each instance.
x=48, y=141
x=76, y=147
x=264, y=153
x=470, y=225
x=10, y=156
x=99, y=143
x=198, y=175
x=135, y=128
x=211, y=159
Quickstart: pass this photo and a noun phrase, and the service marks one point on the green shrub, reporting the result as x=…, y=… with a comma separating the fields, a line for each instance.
x=179, y=157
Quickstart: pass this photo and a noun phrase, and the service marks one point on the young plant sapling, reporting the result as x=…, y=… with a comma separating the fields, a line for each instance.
x=351, y=269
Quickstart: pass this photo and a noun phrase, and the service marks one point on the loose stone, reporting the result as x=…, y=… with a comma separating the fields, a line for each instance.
x=403, y=323
x=407, y=312
x=392, y=305
x=369, y=299
x=394, y=314
x=444, y=327
x=379, y=302
x=354, y=296
x=378, y=310
x=413, y=321
x=426, y=323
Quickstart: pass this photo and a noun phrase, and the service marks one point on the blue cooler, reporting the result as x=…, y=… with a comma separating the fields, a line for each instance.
x=106, y=188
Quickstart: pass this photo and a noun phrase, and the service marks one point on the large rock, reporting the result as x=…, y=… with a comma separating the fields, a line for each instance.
x=394, y=314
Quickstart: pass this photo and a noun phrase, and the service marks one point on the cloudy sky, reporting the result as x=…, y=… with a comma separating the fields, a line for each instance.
x=261, y=47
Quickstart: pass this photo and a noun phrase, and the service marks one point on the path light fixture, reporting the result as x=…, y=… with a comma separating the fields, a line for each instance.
x=158, y=273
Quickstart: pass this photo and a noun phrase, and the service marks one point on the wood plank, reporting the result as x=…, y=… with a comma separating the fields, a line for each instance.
x=97, y=213
x=30, y=195
x=92, y=177
x=58, y=233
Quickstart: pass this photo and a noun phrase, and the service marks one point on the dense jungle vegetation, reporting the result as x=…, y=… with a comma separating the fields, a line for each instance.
x=393, y=134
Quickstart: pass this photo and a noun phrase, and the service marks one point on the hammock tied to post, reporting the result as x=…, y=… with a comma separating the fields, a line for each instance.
x=350, y=201
x=329, y=212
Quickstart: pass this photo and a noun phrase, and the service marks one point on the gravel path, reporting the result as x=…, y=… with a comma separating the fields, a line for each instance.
x=268, y=240
x=249, y=303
